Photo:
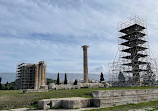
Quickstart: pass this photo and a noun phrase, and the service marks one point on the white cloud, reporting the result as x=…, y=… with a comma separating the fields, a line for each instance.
x=55, y=30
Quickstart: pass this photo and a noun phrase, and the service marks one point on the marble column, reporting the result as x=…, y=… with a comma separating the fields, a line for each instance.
x=85, y=63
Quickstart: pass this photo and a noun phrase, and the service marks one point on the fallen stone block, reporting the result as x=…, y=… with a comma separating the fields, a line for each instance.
x=44, y=87
x=76, y=87
x=44, y=104
x=75, y=103
x=55, y=103
x=67, y=103
x=51, y=86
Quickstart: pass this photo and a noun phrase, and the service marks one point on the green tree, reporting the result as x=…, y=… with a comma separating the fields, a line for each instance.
x=65, y=80
x=149, y=78
x=12, y=86
x=58, y=79
x=121, y=79
x=2, y=87
x=7, y=86
x=75, y=82
x=0, y=83
x=101, y=77
x=49, y=80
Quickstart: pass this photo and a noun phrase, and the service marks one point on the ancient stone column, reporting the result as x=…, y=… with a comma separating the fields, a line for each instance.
x=36, y=77
x=85, y=63
x=39, y=75
x=42, y=72
x=44, y=80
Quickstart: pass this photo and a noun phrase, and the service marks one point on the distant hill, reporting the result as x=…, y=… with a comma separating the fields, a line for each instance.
x=10, y=77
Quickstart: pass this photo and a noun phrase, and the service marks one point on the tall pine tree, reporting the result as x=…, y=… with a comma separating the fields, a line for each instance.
x=101, y=77
x=65, y=80
x=58, y=79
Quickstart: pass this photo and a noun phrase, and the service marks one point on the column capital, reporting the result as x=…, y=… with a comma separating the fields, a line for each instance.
x=85, y=46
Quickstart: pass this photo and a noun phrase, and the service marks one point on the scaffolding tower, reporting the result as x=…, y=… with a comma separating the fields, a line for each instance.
x=31, y=76
x=134, y=58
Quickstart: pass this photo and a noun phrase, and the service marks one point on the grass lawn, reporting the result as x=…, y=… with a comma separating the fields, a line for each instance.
x=16, y=98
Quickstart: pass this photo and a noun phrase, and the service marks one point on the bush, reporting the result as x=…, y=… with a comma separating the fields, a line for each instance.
x=75, y=82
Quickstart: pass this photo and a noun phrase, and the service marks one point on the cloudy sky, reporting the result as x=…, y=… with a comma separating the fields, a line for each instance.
x=55, y=30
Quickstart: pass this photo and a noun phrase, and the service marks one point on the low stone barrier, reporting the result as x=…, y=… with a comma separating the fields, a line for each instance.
x=34, y=90
x=52, y=86
x=92, y=85
x=107, y=98
x=19, y=109
x=67, y=103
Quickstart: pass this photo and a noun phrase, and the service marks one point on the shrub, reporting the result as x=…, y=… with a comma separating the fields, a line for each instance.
x=75, y=82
